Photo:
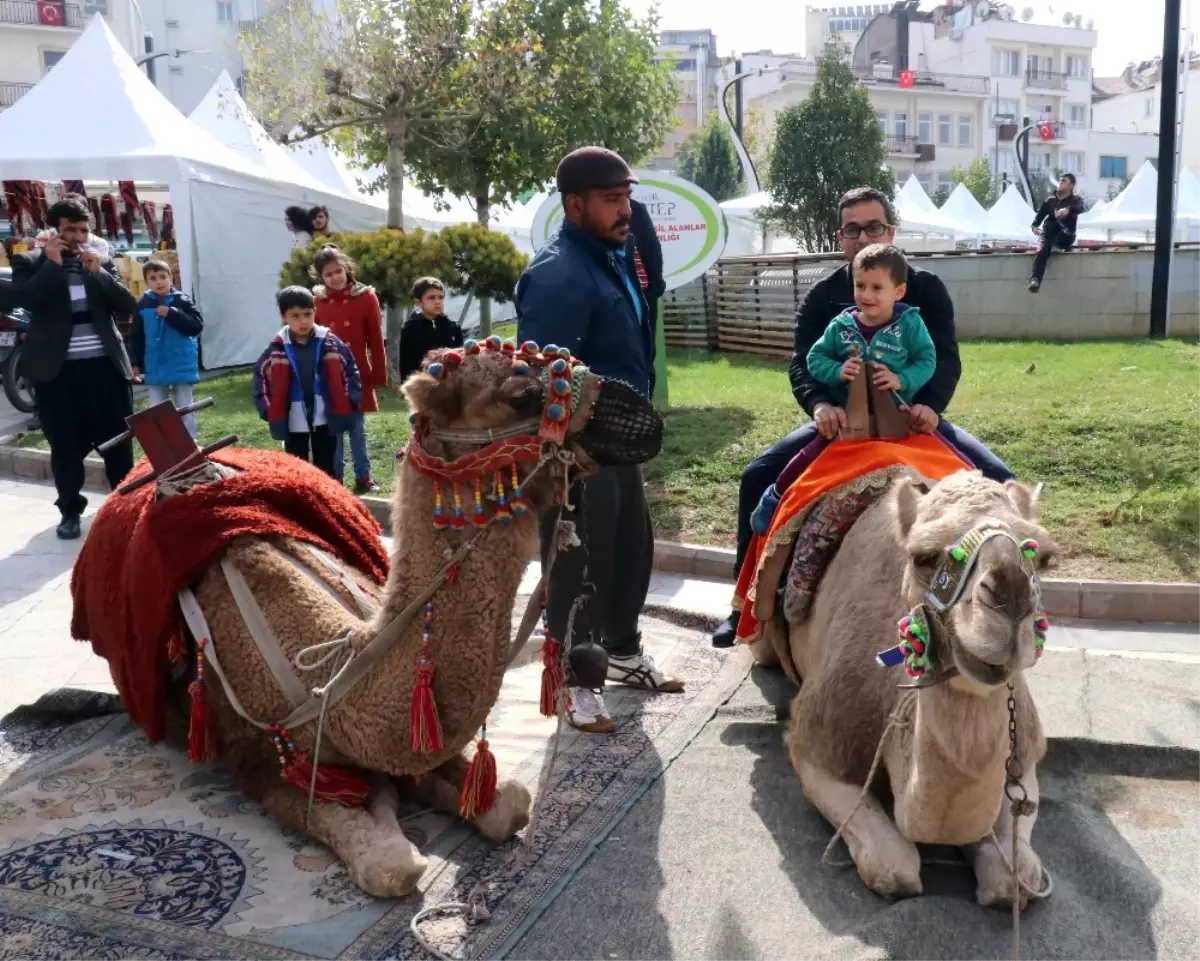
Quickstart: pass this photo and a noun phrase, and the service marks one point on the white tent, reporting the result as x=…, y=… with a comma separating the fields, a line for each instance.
x=1010, y=218
x=1136, y=207
x=919, y=215
x=962, y=207
x=96, y=116
x=745, y=233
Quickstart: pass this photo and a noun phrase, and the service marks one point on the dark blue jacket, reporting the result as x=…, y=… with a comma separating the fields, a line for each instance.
x=166, y=348
x=573, y=295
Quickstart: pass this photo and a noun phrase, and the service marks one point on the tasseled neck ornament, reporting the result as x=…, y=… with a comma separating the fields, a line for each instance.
x=484, y=486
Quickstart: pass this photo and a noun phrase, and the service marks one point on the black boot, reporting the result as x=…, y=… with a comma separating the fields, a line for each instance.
x=726, y=634
x=68, y=529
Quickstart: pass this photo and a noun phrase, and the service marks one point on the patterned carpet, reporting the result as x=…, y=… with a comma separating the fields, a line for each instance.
x=114, y=848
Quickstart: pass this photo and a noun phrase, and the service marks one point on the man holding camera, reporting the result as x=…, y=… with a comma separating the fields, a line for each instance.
x=74, y=355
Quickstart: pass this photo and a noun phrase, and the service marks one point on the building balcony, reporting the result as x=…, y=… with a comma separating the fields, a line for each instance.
x=884, y=74
x=10, y=93
x=1046, y=80
x=28, y=13
x=901, y=146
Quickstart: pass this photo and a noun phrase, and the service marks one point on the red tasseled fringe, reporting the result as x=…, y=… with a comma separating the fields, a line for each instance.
x=423, y=718
x=552, y=676
x=336, y=783
x=479, y=789
x=202, y=732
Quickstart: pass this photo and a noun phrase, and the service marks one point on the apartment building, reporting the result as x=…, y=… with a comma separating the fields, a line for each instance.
x=846, y=22
x=35, y=34
x=693, y=56
x=1130, y=104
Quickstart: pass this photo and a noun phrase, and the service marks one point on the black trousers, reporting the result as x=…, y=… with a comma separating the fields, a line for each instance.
x=765, y=469
x=617, y=557
x=1053, y=236
x=85, y=405
x=320, y=442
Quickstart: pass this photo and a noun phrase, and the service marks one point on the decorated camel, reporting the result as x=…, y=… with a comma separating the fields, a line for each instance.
x=250, y=595
x=888, y=535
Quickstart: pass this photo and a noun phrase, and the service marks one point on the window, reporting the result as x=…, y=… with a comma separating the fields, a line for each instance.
x=1039, y=160
x=1006, y=63
x=944, y=181
x=1039, y=66
x=1006, y=162
x=1149, y=106
x=50, y=58
x=224, y=11
x=926, y=181
x=1008, y=110
x=945, y=128
x=965, y=130
x=1077, y=67
x=925, y=127
x=1115, y=168
x=1076, y=115
x=91, y=7
x=1072, y=163
x=900, y=124
x=881, y=118
x=1041, y=111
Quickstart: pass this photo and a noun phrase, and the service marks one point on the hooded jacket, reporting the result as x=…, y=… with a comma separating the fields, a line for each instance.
x=281, y=395
x=354, y=316
x=166, y=348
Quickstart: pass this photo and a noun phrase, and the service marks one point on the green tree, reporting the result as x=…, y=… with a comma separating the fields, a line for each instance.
x=977, y=178
x=825, y=146
x=685, y=156
x=715, y=167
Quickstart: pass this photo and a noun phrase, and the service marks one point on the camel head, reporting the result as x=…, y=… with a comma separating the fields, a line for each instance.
x=517, y=419
x=974, y=552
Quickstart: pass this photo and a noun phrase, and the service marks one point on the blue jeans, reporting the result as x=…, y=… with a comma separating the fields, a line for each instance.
x=358, y=452
x=765, y=469
x=180, y=394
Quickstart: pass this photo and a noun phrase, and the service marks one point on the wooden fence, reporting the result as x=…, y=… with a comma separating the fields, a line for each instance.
x=744, y=304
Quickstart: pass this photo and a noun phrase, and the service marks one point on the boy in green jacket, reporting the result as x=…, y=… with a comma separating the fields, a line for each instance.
x=879, y=328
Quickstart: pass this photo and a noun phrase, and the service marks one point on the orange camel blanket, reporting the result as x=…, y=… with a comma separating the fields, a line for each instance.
x=838, y=465
x=141, y=552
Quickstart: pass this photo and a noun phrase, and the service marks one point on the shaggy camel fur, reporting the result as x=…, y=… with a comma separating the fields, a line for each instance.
x=945, y=766
x=370, y=727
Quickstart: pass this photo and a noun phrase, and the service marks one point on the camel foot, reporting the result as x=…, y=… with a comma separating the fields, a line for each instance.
x=508, y=813
x=993, y=879
x=890, y=866
x=763, y=652
x=389, y=868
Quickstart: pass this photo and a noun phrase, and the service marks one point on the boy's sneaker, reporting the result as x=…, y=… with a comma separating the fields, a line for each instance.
x=1034, y=285
x=585, y=711
x=365, y=485
x=639, y=670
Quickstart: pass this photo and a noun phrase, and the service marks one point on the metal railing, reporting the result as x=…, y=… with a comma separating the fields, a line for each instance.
x=890, y=75
x=10, y=93
x=1046, y=79
x=900, y=144
x=26, y=13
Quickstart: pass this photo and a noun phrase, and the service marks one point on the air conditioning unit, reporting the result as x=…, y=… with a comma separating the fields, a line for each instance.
x=926, y=152
x=1006, y=131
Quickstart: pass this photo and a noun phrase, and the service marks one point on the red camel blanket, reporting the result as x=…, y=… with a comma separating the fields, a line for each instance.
x=141, y=552
x=839, y=467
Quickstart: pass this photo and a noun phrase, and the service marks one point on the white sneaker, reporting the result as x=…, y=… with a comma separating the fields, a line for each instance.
x=585, y=711
x=639, y=670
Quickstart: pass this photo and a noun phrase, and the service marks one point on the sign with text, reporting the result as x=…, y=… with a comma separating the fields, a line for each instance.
x=689, y=223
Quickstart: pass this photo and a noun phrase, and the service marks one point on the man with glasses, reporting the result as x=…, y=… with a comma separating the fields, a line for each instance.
x=867, y=217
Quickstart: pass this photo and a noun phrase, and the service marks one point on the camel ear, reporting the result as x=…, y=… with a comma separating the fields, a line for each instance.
x=1023, y=497
x=438, y=400
x=907, y=501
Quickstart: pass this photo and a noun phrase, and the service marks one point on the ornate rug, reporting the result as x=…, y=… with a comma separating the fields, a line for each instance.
x=111, y=847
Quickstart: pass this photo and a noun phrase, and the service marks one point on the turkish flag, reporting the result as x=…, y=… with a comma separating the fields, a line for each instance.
x=50, y=13
x=907, y=78
x=1046, y=131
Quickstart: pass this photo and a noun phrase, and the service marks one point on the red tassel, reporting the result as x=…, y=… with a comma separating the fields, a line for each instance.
x=423, y=717
x=479, y=789
x=552, y=676
x=336, y=784
x=202, y=732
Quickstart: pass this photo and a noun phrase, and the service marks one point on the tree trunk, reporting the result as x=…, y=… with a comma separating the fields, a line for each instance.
x=396, y=136
x=483, y=213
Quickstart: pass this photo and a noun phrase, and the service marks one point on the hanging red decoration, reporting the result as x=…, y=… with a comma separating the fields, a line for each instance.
x=16, y=211
x=94, y=207
x=50, y=13
x=108, y=207
x=1046, y=131
x=150, y=219
x=167, y=231
x=907, y=78
x=37, y=203
x=127, y=224
x=74, y=187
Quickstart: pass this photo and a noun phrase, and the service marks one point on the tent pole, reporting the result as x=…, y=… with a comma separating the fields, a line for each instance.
x=1164, y=225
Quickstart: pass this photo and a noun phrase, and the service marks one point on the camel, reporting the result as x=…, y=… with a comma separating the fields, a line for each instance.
x=411, y=715
x=947, y=741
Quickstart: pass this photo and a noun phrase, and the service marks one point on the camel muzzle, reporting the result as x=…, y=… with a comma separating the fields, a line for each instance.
x=624, y=428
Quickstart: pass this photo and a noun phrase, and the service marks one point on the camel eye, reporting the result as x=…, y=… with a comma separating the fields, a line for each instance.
x=926, y=560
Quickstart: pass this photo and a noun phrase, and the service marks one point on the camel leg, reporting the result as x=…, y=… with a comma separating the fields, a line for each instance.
x=763, y=652
x=993, y=880
x=379, y=858
x=887, y=861
x=507, y=815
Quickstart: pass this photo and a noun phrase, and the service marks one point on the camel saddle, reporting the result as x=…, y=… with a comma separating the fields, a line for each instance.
x=871, y=412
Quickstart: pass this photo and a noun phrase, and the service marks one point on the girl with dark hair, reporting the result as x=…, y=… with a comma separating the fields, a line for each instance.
x=351, y=311
x=297, y=220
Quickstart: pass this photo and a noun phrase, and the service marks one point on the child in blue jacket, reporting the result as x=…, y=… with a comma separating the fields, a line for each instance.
x=166, y=346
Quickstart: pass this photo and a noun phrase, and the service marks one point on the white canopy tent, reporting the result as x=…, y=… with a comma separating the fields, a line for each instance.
x=228, y=211
x=1010, y=218
x=962, y=207
x=745, y=232
x=919, y=216
x=1136, y=207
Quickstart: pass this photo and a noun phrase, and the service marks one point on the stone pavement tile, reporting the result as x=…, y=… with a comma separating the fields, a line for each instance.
x=1121, y=636
x=696, y=595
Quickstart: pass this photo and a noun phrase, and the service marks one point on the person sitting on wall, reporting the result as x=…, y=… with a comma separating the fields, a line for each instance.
x=1059, y=215
x=867, y=217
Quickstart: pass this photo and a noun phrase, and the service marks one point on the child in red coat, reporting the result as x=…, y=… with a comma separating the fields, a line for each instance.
x=351, y=311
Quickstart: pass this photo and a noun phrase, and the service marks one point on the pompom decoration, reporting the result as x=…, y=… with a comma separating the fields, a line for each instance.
x=479, y=789
x=530, y=347
x=480, y=516
x=458, y=521
x=471, y=347
x=550, y=349
x=435, y=369
x=556, y=412
x=520, y=368
x=439, y=508
x=957, y=553
x=519, y=506
x=1029, y=549
x=509, y=346
x=414, y=416
x=494, y=342
x=559, y=366
x=913, y=630
x=1041, y=626
x=562, y=386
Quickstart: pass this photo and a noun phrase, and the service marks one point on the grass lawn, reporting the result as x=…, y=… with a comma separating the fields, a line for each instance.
x=1085, y=421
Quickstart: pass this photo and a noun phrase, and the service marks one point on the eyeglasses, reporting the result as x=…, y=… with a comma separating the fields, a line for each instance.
x=873, y=229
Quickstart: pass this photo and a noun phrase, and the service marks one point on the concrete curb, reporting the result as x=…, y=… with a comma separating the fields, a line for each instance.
x=1089, y=600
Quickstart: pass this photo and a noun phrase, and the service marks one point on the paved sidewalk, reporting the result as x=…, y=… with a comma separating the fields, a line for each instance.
x=38, y=655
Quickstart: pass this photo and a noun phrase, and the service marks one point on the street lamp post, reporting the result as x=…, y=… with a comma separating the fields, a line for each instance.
x=167, y=53
x=752, y=185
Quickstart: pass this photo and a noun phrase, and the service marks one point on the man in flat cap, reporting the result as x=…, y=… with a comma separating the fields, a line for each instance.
x=581, y=291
